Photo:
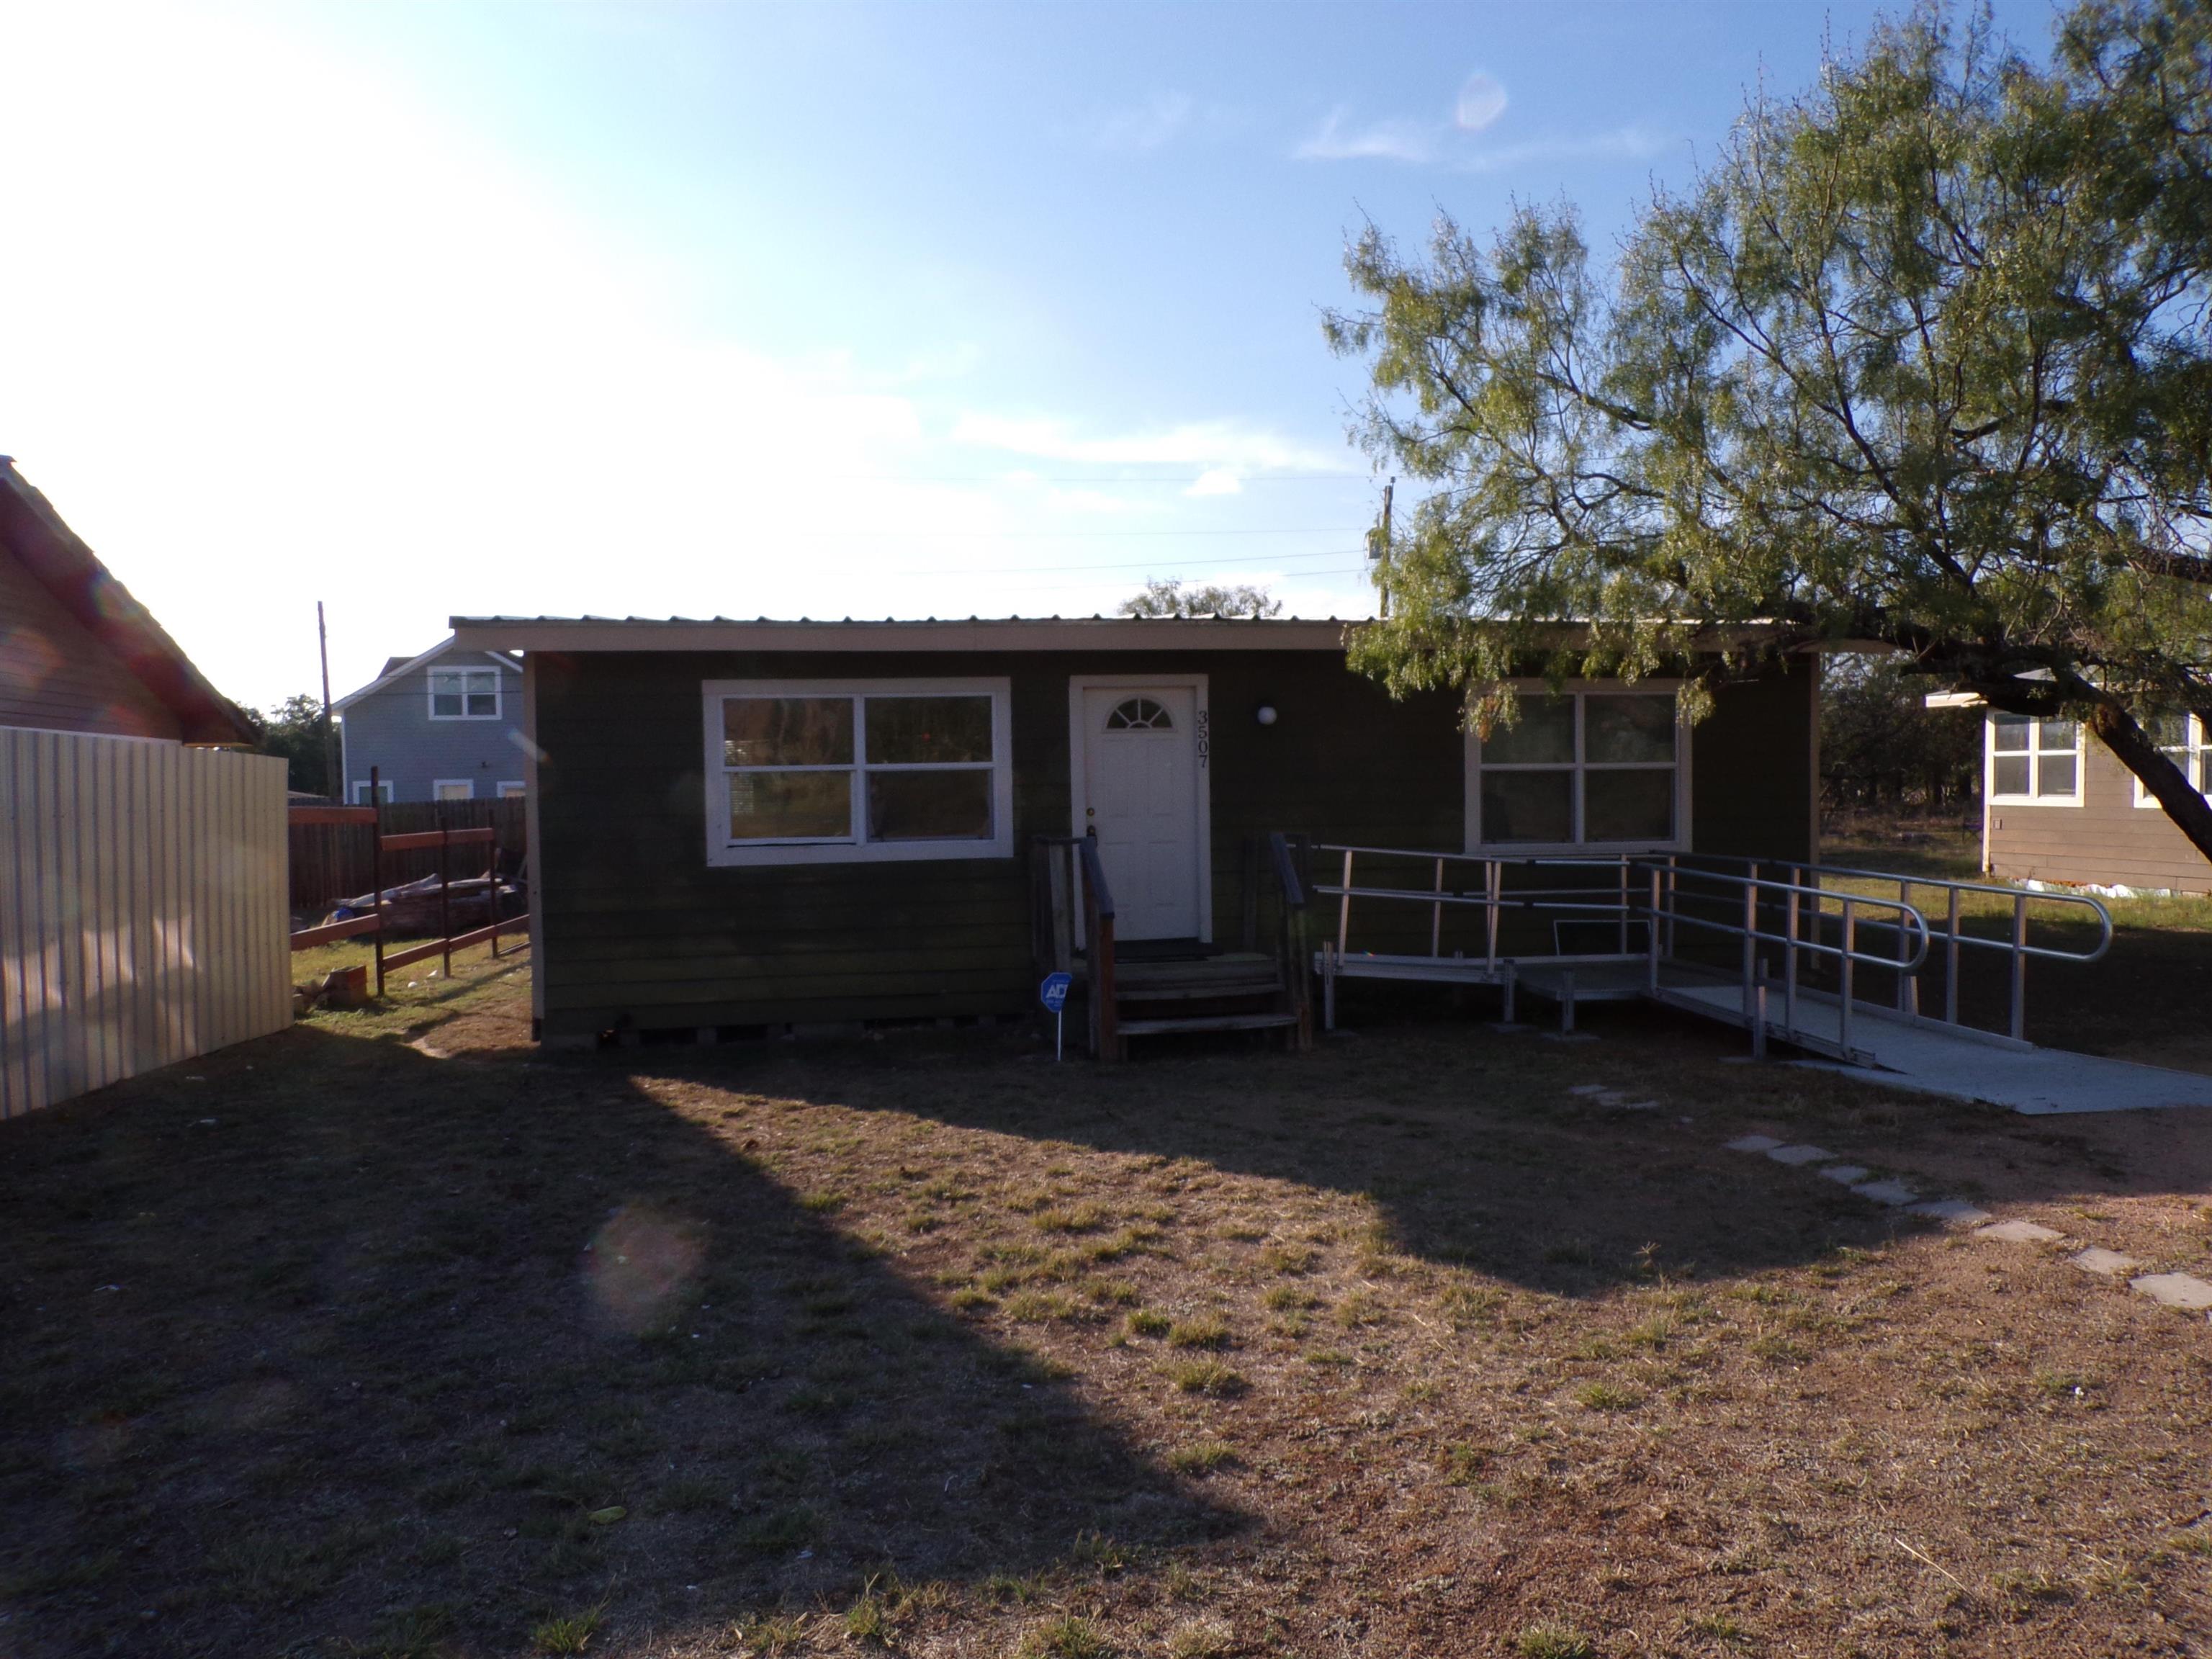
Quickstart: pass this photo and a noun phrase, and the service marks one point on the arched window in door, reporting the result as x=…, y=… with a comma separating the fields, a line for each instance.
x=1139, y=715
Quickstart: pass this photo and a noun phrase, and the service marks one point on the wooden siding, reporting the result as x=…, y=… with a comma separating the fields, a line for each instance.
x=2106, y=842
x=635, y=929
x=55, y=676
x=1753, y=770
x=142, y=908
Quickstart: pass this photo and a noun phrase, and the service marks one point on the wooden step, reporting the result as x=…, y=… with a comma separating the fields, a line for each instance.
x=1208, y=1022
x=1217, y=991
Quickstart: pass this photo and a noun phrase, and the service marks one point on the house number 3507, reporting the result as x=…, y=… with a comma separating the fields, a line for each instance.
x=1204, y=737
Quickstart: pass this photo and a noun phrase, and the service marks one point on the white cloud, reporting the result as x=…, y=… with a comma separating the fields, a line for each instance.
x=1481, y=101
x=1207, y=445
x=1216, y=481
x=1149, y=124
x=1623, y=143
x=1386, y=141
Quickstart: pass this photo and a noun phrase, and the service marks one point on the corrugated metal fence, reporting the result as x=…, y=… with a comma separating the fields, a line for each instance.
x=142, y=916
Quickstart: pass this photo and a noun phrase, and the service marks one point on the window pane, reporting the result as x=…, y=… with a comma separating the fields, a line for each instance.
x=484, y=703
x=1545, y=733
x=456, y=792
x=929, y=805
x=1532, y=806
x=2056, y=734
x=1628, y=805
x=785, y=805
x=447, y=705
x=2169, y=730
x=787, y=732
x=2009, y=776
x=1628, y=728
x=2009, y=732
x=910, y=730
x=2057, y=775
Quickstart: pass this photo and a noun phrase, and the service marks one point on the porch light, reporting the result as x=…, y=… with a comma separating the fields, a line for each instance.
x=1267, y=714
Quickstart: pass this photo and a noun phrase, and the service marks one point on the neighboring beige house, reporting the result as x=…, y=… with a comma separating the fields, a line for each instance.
x=143, y=915
x=2058, y=806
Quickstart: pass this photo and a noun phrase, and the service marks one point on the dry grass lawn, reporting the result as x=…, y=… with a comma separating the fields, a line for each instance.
x=389, y=1336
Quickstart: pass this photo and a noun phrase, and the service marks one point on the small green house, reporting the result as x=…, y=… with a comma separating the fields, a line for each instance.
x=740, y=827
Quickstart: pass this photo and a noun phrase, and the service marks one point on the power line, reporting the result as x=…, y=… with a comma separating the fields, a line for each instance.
x=1124, y=564
x=1019, y=477
x=1064, y=535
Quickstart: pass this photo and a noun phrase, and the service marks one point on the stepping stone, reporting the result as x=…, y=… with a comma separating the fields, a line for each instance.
x=1849, y=1174
x=2111, y=1264
x=2174, y=1290
x=2021, y=1232
x=1894, y=1193
x=1589, y=1089
x=1795, y=1155
x=1753, y=1144
x=1953, y=1212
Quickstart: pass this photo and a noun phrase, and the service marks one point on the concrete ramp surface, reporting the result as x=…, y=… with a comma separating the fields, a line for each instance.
x=1966, y=1064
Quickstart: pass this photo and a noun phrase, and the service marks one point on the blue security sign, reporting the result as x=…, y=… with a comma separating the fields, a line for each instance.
x=1054, y=991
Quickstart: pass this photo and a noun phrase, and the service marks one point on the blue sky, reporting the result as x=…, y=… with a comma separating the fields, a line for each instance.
x=819, y=311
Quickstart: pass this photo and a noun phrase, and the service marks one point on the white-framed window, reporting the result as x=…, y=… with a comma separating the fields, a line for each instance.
x=452, y=789
x=512, y=788
x=837, y=771
x=2187, y=741
x=2035, y=763
x=1599, y=766
x=465, y=693
x=360, y=791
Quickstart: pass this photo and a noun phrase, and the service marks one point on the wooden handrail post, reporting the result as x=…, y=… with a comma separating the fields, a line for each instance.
x=445, y=894
x=376, y=870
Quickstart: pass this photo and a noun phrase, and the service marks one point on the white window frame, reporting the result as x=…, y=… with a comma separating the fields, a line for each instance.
x=510, y=789
x=2194, y=757
x=1472, y=747
x=358, y=791
x=2035, y=752
x=856, y=848
x=464, y=674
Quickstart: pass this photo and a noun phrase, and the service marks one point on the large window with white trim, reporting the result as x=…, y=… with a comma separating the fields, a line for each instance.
x=2034, y=762
x=2187, y=742
x=1600, y=767
x=465, y=693
x=817, y=771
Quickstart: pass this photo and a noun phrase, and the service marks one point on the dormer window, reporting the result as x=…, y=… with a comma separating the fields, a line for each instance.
x=465, y=693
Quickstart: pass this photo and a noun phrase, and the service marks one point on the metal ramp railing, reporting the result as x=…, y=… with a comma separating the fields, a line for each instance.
x=1765, y=922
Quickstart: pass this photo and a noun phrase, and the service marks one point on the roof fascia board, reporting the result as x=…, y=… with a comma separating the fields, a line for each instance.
x=399, y=673
x=493, y=634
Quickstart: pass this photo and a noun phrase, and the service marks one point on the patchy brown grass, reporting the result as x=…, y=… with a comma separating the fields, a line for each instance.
x=390, y=1336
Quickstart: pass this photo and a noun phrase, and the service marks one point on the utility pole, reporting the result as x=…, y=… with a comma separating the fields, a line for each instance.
x=1378, y=546
x=333, y=785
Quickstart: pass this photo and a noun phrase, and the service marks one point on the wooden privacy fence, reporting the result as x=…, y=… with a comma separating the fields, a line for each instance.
x=332, y=852
x=142, y=908
x=383, y=849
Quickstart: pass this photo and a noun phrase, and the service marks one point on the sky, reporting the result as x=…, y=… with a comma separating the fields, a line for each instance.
x=747, y=310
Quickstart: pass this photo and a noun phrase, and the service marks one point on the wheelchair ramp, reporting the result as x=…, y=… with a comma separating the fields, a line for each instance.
x=1962, y=1064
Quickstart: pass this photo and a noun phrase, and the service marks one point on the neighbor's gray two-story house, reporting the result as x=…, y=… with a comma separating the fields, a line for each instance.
x=444, y=725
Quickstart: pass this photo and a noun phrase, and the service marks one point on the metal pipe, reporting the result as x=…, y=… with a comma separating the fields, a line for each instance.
x=1950, y=963
x=2020, y=967
x=1652, y=935
x=1494, y=885
x=1437, y=915
x=1790, y=958
x=1344, y=909
x=1851, y=952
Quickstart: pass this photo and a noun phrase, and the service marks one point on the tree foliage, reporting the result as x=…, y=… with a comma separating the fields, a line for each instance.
x=1174, y=598
x=1922, y=357
x=1880, y=748
x=294, y=730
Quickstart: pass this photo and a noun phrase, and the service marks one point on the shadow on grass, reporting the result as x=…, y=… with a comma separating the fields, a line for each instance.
x=1469, y=1144
x=347, y=1344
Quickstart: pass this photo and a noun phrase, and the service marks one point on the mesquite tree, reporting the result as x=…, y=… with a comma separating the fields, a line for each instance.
x=1922, y=358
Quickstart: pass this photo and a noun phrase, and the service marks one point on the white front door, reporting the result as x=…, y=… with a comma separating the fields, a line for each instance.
x=1140, y=797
